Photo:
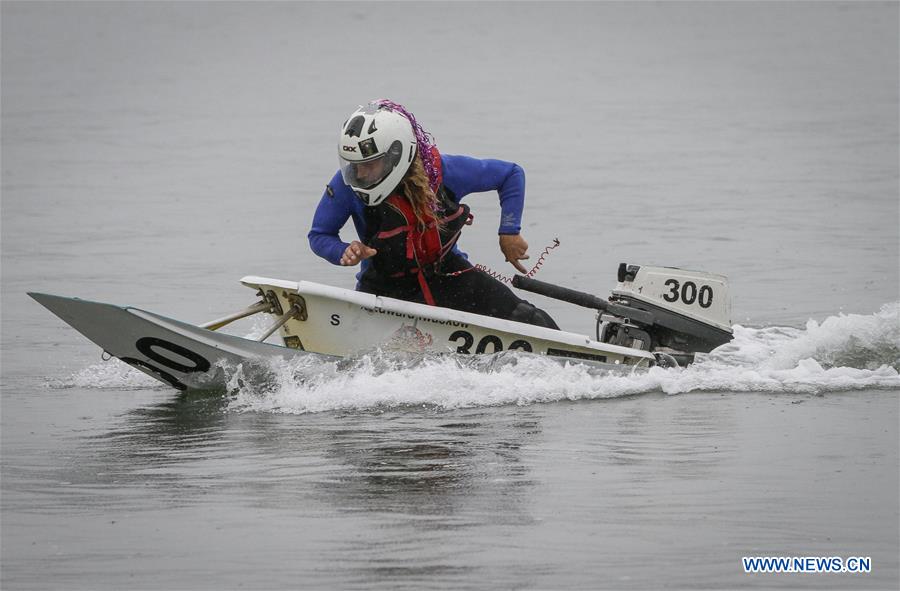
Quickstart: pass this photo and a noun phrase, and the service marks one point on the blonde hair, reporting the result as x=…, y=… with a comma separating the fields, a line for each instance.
x=416, y=188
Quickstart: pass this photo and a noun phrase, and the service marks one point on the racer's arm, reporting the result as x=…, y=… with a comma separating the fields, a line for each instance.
x=464, y=175
x=332, y=213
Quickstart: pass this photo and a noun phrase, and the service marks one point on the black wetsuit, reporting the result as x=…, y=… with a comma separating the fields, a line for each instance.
x=453, y=282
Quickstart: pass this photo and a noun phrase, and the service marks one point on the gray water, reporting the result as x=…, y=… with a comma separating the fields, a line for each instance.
x=154, y=153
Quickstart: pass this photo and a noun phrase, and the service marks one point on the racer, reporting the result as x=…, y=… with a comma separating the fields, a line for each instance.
x=404, y=197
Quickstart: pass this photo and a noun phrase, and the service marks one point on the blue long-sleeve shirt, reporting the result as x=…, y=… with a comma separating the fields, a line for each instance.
x=461, y=175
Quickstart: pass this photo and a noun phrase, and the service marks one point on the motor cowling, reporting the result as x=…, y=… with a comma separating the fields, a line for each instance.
x=690, y=311
x=672, y=312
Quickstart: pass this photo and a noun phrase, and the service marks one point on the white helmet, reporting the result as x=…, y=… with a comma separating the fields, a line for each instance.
x=375, y=150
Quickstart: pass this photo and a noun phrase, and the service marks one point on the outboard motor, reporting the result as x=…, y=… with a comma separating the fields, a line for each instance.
x=668, y=311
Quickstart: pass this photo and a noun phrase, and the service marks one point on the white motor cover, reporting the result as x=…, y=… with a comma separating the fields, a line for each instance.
x=695, y=294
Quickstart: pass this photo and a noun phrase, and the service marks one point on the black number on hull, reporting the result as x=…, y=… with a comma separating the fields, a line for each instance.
x=148, y=346
x=489, y=340
x=467, y=338
x=520, y=345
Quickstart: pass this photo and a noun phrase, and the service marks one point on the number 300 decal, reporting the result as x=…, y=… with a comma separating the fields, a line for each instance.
x=488, y=340
x=688, y=293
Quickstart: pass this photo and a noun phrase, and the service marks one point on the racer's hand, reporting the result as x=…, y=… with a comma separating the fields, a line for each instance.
x=514, y=249
x=356, y=252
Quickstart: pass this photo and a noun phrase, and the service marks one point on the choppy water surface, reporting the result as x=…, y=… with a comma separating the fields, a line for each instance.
x=155, y=153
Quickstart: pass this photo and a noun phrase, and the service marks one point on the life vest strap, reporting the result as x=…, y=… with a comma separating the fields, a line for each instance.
x=423, y=284
x=394, y=232
x=455, y=215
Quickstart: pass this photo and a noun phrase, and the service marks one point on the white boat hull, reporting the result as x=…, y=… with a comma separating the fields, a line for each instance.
x=175, y=353
x=330, y=323
x=342, y=322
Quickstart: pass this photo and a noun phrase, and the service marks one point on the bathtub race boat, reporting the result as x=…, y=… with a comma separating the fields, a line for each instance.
x=655, y=316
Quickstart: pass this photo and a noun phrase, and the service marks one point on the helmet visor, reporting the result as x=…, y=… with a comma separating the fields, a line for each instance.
x=365, y=174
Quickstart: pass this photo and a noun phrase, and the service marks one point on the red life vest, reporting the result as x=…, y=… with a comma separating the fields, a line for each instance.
x=421, y=247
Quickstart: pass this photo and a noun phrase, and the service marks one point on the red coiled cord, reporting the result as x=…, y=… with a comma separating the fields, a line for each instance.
x=531, y=273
